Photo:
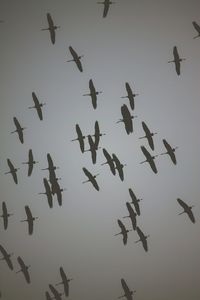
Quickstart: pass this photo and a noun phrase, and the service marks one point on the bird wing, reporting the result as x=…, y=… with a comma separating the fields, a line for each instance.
x=124, y=233
x=29, y=219
x=191, y=216
x=149, y=159
x=12, y=170
x=118, y=166
x=95, y=184
x=148, y=135
x=196, y=26
x=50, y=162
x=53, y=38
x=55, y=292
x=64, y=281
x=97, y=134
x=183, y=204
x=125, y=287
x=106, y=8
x=132, y=215
x=5, y=215
x=37, y=106
x=79, y=65
x=24, y=269
x=93, y=94
x=169, y=150
x=130, y=96
x=91, y=178
x=135, y=202
x=127, y=119
x=142, y=238
x=186, y=209
x=50, y=20
x=48, y=192
x=47, y=296
x=58, y=193
x=16, y=123
x=109, y=161
x=19, y=130
x=76, y=58
x=6, y=257
x=80, y=138
x=153, y=165
x=30, y=162
x=176, y=60
x=87, y=173
x=92, y=149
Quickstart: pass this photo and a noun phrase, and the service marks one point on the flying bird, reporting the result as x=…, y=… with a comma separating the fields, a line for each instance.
x=127, y=119
x=30, y=219
x=170, y=151
x=80, y=138
x=97, y=134
x=119, y=166
x=187, y=210
x=91, y=178
x=128, y=294
x=38, y=106
x=135, y=201
x=58, y=191
x=132, y=215
x=6, y=257
x=19, y=130
x=5, y=215
x=93, y=149
x=123, y=231
x=130, y=95
x=93, y=94
x=197, y=28
x=24, y=269
x=65, y=281
x=13, y=171
x=31, y=162
x=47, y=192
x=109, y=161
x=51, y=166
x=149, y=159
x=52, y=28
x=148, y=135
x=177, y=60
x=106, y=4
x=143, y=238
x=76, y=59
x=57, y=295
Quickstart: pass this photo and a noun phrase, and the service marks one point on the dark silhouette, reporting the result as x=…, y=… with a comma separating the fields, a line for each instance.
x=127, y=119
x=97, y=134
x=54, y=182
x=76, y=59
x=65, y=281
x=31, y=162
x=57, y=295
x=149, y=159
x=12, y=171
x=130, y=95
x=148, y=135
x=197, y=27
x=5, y=215
x=52, y=28
x=135, y=201
x=51, y=168
x=132, y=215
x=91, y=178
x=38, y=106
x=58, y=191
x=128, y=294
x=170, y=151
x=143, y=238
x=109, y=161
x=30, y=219
x=48, y=297
x=124, y=232
x=119, y=166
x=24, y=269
x=92, y=149
x=187, y=210
x=47, y=192
x=106, y=4
x=19, y=130
x=6, y=257
x=80, y=138
x=93, y=94
x=177, y=60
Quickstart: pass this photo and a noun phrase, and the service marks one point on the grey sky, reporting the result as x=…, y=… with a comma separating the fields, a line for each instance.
x=133, y=44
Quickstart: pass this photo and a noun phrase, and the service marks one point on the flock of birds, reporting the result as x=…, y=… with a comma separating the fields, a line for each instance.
x=51, y=183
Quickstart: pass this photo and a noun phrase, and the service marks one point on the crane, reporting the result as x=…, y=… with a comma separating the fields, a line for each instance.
x=177, y=60
x=149, y=159
x=187, y=209
x=132, y=215
x=135, y=201
x=5, y=215
x=170, y=151
x=119, y=166
x=80, y=138
x=130, y=95
x=128, y=294
x=123, y=231
x=76, y=59
x=13, y=171
x=106, y=4
x=92, y=149
x=58, y=191
x=31, y=162
x=65, y=281
x=97, y=134
x=91, y=178
x=52, y=28
x=38, y=106
x=93, y=93
x=127, y=119
x=19, y=130
x=24, y=269
x=57, y=295
x=197, y=27
x=148, y=135
x=143, y=238
x=6, y=257
x=30, y=219
x=47, y=192
x=109, y=161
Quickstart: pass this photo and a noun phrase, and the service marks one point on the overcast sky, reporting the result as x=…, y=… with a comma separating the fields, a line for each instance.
x=133, y=44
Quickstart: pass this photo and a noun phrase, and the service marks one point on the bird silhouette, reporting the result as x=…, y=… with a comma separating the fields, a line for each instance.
x=47, y=295
x=52, y=28
x=58, y=191
x=80, y=138
x=109, y=161
x=65, y=281
x=76, y=59
x=38, y=106
x=13, y=171
x=5, y=215
x=123, y=231
x=128, y=294
x=19, y=130
x=24, y=269
x=187, y=209
x=93, y=94
x=143, y=238
x=91, y=178
x=127, y=119
x=57, y=295
x=197, y=28
x=132, y=215
x=30, y=219
x=149, y=159
x=119, y=166
x=31, y=162
x=97, y=134
x=177, y=60
x=130, y=95
x=47, y=192
x=135, y=201
x=93, y=149
x=148, y=135
x=170, y=151
x=6, y=257
x=106, y=4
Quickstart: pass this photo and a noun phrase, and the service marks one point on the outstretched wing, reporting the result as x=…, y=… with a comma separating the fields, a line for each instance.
x=50, y=20
x=93, y=94
x=12, y=170
x=80, y=138
x=64, y=281
x=50, y=162
x=55, y=292
x=37, y=106
x=106, y=8
x=148, y=135
x=142, y=238
x=125, y=287
x=5, y=215
x=47, y=296
x=19, y=130
x=149, y=159
x=176, y=60
x=127, y=119
x=29, y=219
x=76, y=59
x=6, y=257
x=130, y=96
x=123, y=231
x=94, y=183
x=196, y=26
x=30, y=162
x=92, y=149
x=132, y=215
x=135, y=202
x=170, y=151
x=182, y=203
x=48, y=192
x=119, y=166
x=24, y=269
x=96, y=134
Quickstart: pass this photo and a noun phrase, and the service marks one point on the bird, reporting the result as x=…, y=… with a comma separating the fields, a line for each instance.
x=76, y=59
x=132, y=215
x=91, y=178
x=24, y=269
x=119, y=166
x=149, y=159
x=51, y=166
x=148, y=135
x=124, y=232
x=170, y=151
x=47, y=192
x=52, y=28
x=6, y=257
x=31, y=162
x=19, y=130
x=48, y=297
x=187, y=209
x=135, y=201
x=127, y=119
x=5, y=215
x=97, y=134
x=106, y=4
x=197, y=27
x=109, y=161
x=12, y=171
x=143, y=238
x=58, y=191
x=30, y=219
x=93, y=149
x=80, y=138
x=38, y=106
x=93, y=94
x=130, y=95
x=65, y=281
x=128, y=294
x=57, y=295
x=177, y=60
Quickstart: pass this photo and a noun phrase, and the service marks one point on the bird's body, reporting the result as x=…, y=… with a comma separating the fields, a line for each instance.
x=124, y=232
x=31, y=162
x=13, y=171
x=109, y=161
x=106, y=4
x=170, y=151
x=24, y=269
x=177, y=60
x=38, y=106
x=187, y=210
x=91, y=178
x=132, y=215
x=76, y=59
x=30, y=219
x=128, y=294
x=52, y=28
x=143, y=238
x=149, y=159
x=148, y=135
x=93, y=94
x=5, y=215
x=130, y=95
x=80, y=138
x=6, y=257
x=19, y=130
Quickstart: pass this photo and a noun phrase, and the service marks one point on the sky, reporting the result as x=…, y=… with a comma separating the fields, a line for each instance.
x=132, y=44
